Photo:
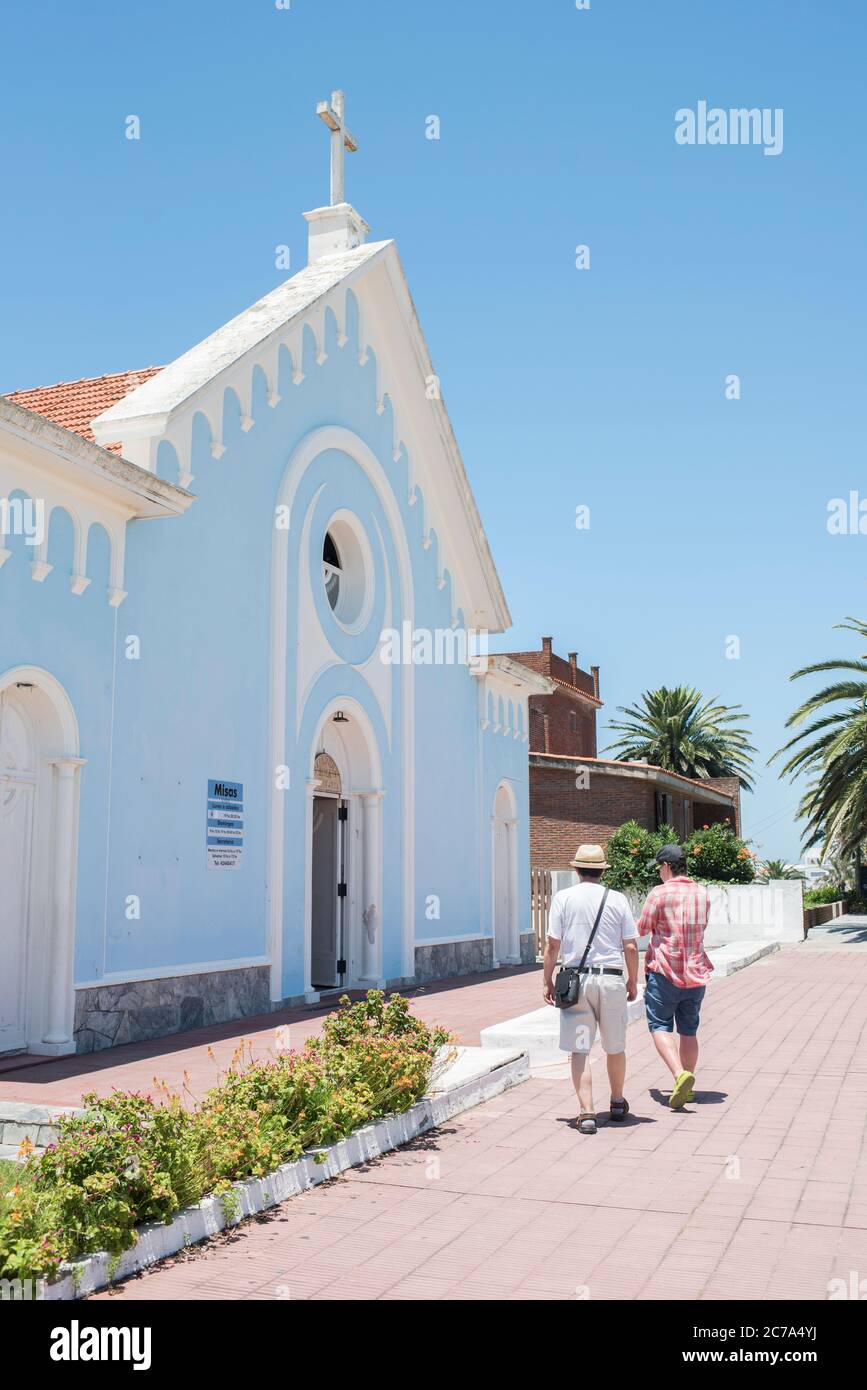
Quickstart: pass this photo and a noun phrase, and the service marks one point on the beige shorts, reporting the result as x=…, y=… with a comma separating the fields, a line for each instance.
x=602, y=1002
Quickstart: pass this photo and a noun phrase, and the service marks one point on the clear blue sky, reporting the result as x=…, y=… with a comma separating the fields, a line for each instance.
x=604, y=388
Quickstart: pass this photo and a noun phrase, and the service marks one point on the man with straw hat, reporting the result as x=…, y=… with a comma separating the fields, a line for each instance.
x=591, y=928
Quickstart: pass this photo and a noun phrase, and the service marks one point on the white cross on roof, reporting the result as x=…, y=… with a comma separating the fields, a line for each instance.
x=341, y=139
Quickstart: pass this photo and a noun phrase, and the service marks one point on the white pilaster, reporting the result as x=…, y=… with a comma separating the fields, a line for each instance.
x=57, y=1038
x=371, y=915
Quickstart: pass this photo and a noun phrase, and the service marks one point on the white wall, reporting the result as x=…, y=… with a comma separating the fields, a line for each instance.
x=751, y=912
x=738, y=911
x=756, y=911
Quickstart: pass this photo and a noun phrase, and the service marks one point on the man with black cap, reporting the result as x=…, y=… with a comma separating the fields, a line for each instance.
x=677, y=968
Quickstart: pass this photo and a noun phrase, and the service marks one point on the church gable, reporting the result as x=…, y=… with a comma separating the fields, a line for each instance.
x=362, y=293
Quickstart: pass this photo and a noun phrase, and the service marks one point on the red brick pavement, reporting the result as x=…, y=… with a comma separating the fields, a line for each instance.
x=759, y=1190
x=463, y=1005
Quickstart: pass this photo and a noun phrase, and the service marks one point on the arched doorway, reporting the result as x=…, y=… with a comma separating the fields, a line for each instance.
x=38, y=837
x=504, y=868
x=344, y=880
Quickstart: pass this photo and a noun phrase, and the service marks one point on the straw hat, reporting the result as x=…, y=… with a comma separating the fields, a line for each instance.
x=590, y=857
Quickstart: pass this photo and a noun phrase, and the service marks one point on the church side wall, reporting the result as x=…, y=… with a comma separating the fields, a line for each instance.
x=171, y=692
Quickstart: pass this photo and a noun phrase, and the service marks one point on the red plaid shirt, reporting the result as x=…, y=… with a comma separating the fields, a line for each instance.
x=674, y=917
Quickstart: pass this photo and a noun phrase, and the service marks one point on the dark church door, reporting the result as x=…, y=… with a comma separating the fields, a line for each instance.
x=328, y=968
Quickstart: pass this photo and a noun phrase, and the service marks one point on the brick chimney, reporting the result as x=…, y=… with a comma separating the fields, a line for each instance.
x=594, y=671
x=546, y=644
x=573, y=662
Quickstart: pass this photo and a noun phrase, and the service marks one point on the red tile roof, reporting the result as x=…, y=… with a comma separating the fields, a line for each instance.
x=73, y=404
x=576, y=690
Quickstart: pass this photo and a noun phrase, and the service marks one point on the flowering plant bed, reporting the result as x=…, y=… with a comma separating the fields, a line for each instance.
x=129, y=1160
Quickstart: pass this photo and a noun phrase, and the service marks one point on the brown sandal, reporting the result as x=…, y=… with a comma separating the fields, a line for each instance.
x=619, y=1109
x=587, y=1122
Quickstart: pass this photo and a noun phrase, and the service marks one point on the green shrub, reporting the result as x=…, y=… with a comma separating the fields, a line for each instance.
x=715, y=854
x=128, y=1159
x=125, y=1161
x=827, y=893
x=631, y=851
x=374, y=1014
x=9, y=1172
x=264, y=1114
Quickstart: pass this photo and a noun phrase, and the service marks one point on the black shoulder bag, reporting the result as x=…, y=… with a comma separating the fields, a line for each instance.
x=567, y=986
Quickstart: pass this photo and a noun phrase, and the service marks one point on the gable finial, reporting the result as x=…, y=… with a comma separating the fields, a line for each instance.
x=342, y=139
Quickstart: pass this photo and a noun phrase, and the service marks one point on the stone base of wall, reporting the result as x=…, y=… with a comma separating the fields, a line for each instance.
x=108, y=1015
x=142, y=1010
x=527, y=941
x=453, y=958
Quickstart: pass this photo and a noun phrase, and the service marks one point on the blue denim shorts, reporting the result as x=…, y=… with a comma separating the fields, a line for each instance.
x=667, y=1004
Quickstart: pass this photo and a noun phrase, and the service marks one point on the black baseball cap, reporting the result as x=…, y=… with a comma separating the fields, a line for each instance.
x=673, y=855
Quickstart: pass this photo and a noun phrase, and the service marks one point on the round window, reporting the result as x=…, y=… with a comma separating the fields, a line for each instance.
x=344, y=572
x=332, y=570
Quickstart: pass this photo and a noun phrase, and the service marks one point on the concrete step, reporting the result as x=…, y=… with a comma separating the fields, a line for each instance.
x=736, y=955
x=11, y=1152
x=538, y=1033
x=473, y=1064
x=22, y=1120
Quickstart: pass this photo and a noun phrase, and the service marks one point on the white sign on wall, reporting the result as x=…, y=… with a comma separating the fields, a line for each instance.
x=225, y=824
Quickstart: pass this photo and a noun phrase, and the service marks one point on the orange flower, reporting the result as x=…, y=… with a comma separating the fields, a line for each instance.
x=25, y=1148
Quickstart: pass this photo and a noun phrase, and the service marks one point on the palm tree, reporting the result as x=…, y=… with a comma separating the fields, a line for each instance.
x=839, y=870
x=674, y=730
x=833, y=749
x=778, y=868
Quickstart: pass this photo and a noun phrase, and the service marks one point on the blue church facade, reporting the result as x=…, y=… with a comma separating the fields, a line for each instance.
x=251, y=747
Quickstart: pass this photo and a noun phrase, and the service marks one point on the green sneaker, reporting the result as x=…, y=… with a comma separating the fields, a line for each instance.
x=683, y=1090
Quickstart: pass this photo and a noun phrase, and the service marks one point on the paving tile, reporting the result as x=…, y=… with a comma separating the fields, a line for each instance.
x=525, y=1208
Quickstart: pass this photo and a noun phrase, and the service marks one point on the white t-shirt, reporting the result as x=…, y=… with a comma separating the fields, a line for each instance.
x=573, y=912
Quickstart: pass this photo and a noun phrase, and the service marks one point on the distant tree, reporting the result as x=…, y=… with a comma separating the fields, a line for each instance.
x=675, y=730
x=778, y=868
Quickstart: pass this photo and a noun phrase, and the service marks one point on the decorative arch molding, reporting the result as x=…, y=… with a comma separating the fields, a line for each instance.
x=69, y=744
x=84, y=511
x=49, y=1005
x=357, y=753
x=281, y=739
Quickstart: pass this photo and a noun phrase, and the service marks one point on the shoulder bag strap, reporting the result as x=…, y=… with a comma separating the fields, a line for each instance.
x=595, y=925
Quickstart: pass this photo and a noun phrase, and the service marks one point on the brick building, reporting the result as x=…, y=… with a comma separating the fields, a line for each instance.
x=577, y=797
